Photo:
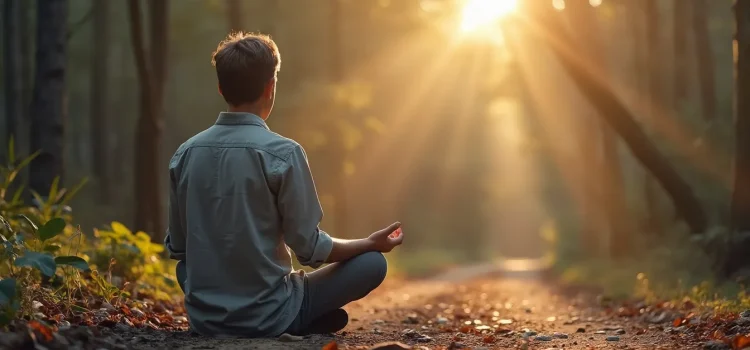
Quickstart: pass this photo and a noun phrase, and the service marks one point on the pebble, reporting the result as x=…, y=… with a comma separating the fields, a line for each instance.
x=107, y=306
x=411, y=319
x=620, y=331
x=745, y=314
x=600, y=332
x=581, y=330
x=560, y=335
x=543, y=338
x=715, y=345
x=441, y=320
x=613, y=338
x=529, y=333
x=288, y=338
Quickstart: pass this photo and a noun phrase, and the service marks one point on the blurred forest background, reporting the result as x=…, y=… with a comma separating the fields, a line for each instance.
x=596, y=133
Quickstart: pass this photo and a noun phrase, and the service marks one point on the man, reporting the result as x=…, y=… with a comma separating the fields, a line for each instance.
x=240, y=197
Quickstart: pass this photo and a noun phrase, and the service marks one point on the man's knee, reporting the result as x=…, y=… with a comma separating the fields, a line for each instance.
x=377, y=267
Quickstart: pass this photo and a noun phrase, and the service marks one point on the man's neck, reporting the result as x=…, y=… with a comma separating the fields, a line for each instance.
x=246, y=108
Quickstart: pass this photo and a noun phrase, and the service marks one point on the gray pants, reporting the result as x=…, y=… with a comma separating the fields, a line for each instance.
x=330, y=288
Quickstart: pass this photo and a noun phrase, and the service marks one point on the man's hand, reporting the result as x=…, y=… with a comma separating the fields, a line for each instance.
x=388, y=238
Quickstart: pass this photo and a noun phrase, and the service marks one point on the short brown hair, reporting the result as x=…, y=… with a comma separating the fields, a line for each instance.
x=245, y=62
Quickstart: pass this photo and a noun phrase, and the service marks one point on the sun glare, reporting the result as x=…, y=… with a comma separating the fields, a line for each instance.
x=480, y=13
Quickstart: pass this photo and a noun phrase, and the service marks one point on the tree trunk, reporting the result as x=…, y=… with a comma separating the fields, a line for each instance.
x=680, y=31
x=655, y=100
x=741, y=192
x=48, y=107
x=550, y=30
x=234, y=14
x=99, y=126
x=12, y=72
x=606, y=166
x=151, y=77
x=704, y=54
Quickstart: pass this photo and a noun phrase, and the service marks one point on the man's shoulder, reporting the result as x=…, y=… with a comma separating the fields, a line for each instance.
x=260, y=139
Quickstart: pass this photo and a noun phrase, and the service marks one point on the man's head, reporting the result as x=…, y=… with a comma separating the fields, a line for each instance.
x=246, y=65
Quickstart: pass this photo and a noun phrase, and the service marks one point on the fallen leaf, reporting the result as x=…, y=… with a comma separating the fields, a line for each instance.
x=740, y=342
x=677, y=322
x=42, y=329
x=331, y=346
x=489, y=339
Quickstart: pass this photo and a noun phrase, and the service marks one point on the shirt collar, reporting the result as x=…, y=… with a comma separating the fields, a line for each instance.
x=240, y=118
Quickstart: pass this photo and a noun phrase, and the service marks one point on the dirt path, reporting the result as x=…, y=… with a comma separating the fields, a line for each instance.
x=498, y=312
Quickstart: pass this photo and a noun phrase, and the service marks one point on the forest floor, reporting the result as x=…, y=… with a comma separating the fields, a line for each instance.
x=460, y=311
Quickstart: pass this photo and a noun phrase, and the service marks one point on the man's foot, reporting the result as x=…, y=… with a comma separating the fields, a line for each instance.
x=331, y=322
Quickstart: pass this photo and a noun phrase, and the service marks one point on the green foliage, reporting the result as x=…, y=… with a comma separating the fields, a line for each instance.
x=39, y=245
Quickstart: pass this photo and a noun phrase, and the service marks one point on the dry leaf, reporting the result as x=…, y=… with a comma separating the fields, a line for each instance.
x=42, y=329
x=677, y=322
x=489, y=339
x=331, y=346
x=740, y=342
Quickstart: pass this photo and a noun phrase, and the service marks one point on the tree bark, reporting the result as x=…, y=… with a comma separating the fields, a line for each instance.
x=234, y=14
x=550, y=30
x=48, y=107
x=12, y=72
x=740, y=206
x=680, y=32
x=151, y=76
x=704, y=54
x=607, y=167
x=655, y=100
x=99, y=125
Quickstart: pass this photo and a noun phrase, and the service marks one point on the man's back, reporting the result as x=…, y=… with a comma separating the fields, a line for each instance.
x=230, y=185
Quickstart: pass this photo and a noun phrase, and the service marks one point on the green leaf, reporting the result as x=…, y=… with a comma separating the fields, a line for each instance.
x=7, y=291
x=43, y=262
x=74, y=261
x=51, y=229
x=52, y=248
x=25, y=162
x=12, y=152
x=72, y=192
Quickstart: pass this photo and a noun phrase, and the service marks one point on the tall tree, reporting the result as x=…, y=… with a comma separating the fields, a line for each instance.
x=736, y=258
x=12, y=64
x=655, y=102
x=98, y=101
x=151, y=67
x=704, y=54
x=741, y=192
x=48, y=106
x=606, y=167
x=680, y=25
x=548, y=28
x=234, y=14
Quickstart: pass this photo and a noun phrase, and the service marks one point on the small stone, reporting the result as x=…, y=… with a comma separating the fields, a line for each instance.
x=411, y=319
x=441, y=320
x=62, y=325
x=424, y=339
x=505, y=321
x=529, y=333
x=36, y=305
x=620, y=331
x=560, y=335
x=107, y=306
x=715, y=345
x=390, y=346
x=180, y=319
x=376, y=331
x=378, y=322
x=543, y=338
x=581, y=330
x=288, y=338
x=613, y=338
x=745, y=314
x=600, y=332
x=137, y=312
x=456, y=346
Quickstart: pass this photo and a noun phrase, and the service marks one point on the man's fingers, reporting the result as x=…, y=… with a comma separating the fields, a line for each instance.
x=393, y=227
x=397, y=239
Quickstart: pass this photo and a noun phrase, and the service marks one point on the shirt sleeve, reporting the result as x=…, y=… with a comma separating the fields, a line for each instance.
x=175, y=240
x=301, y=212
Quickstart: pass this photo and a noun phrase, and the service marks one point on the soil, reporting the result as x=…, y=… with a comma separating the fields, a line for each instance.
x=474, y=312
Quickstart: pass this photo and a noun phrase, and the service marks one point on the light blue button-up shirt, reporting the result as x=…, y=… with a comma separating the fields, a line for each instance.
x=240, y=197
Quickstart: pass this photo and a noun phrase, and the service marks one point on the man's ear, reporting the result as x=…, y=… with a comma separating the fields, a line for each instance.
x=219, y=88
x=268, y=91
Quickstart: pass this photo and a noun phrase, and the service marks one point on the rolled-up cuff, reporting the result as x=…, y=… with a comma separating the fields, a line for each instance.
x=173, y=254
x=321, y=250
